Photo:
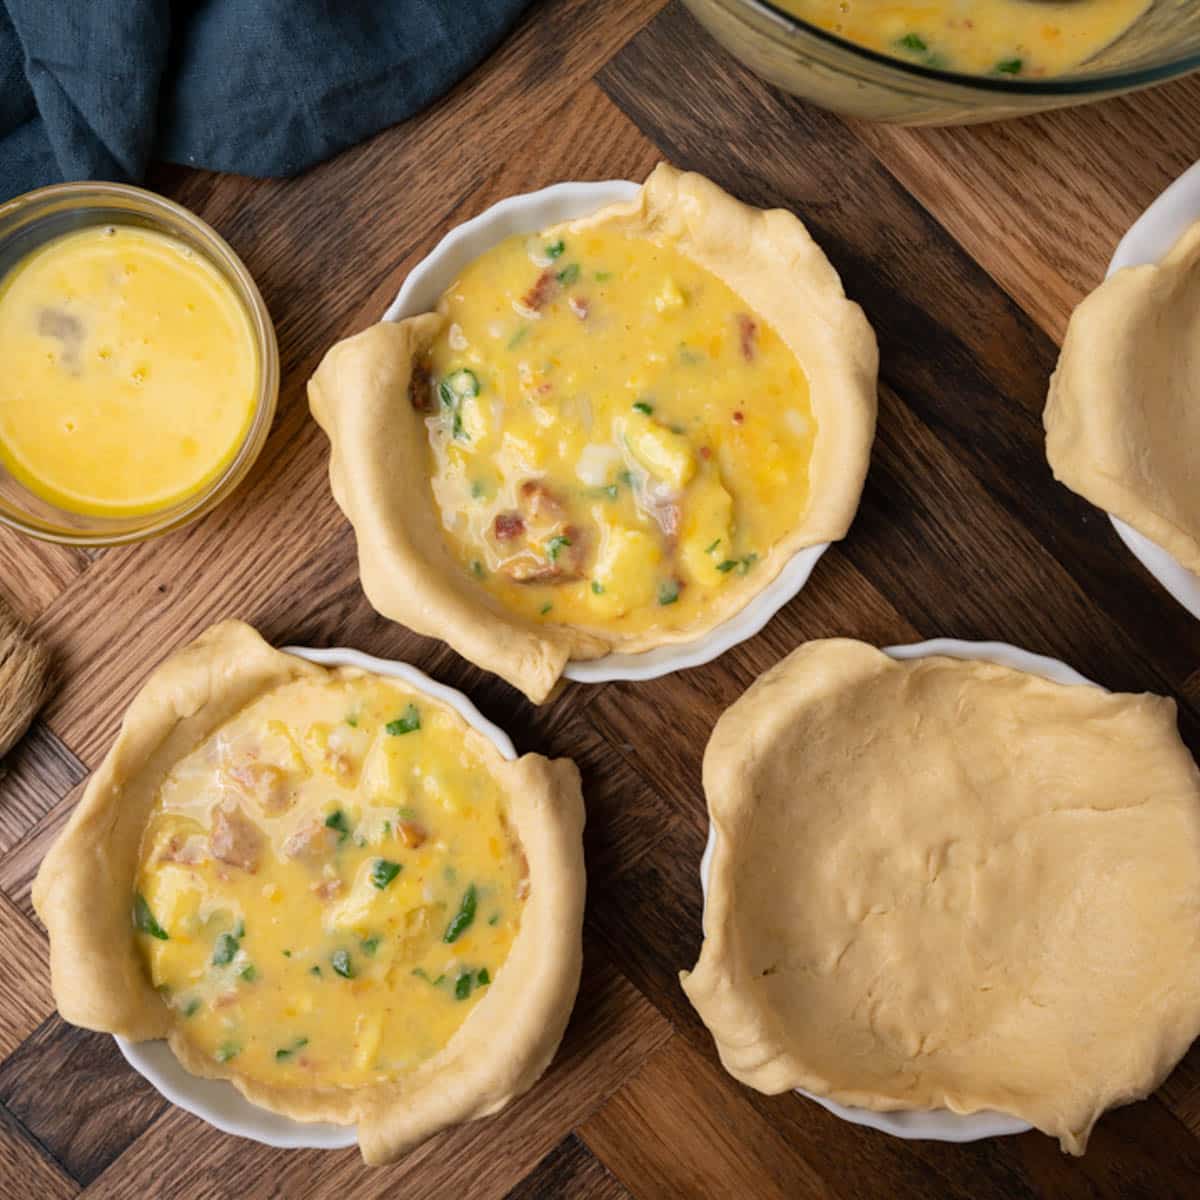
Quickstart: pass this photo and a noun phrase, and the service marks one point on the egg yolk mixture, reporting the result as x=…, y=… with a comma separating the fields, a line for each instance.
x=328, y=884
x=1006, y=38
x=615, y=437
x=131, y=372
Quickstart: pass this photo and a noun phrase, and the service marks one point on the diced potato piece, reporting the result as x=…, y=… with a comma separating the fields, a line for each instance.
x=625, y=571
x=707, y=518
x=670, y=297
x=368, y=1033
x=667, y=456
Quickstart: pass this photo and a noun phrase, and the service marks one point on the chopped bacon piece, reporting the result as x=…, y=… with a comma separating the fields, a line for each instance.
x=420, y=389
x=747, y=335
x=182, y=850
x=310, y=842
x=565, y=567
x=705, y=453
x=412, y=834
x=225, y=999
x=508, y=526
x=235, y=839
x=543, y=291
x=540, y=502
x=579, y=306
x=738, y=417
x=327, y=889
x=263, y=783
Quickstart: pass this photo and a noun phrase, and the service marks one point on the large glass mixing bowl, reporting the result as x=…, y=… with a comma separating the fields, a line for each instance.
x=800, y=58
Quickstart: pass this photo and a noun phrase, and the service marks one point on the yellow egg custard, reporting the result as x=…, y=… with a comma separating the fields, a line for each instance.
x=131, y=372
x=610, y=436
x=1010, y=39
x=615, y=436
x=328, y=884
x=325, y=886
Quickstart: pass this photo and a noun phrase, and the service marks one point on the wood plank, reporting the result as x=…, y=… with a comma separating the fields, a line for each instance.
x=74, y=1093
x=33, y=573
x=25, y=1172
x=612, y=1031
x=19, y=865
x=708, y=1141
x=25, y=1000
x=37, y=773
x=569, y=1172
x=1096, y=169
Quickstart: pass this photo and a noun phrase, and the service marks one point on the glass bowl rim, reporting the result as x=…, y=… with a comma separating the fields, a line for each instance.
x=164, y=212
x=1060, y=85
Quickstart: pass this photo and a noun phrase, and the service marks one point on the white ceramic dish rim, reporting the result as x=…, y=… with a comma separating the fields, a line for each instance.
x=938, y=1125
x=216, y=1100
x=527, y=213
x=1148, y=240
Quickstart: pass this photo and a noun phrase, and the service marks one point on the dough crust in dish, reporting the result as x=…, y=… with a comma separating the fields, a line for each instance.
x=85, y=891
x=1123, y=414
x=948, y=884
x=379, y=467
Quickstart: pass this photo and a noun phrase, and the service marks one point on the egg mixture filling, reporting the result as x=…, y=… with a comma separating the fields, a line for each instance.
x=328, y=884
x=615, y=437
x=131, y=372
x=1006, y=38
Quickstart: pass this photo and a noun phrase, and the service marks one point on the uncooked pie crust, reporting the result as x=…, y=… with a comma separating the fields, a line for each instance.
x=379, y=444
x=949, y=884
x=84, y=891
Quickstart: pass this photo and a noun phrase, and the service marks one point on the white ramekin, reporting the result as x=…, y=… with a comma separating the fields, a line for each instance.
x=216, y=1100
x=1148, y=240
x=938, y=1125
x=421, y=292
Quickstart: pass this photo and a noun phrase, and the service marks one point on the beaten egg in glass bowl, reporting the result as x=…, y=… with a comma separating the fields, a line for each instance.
x=952, y=62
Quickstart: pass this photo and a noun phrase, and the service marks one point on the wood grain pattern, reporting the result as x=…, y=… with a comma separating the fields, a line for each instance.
x=967, y=248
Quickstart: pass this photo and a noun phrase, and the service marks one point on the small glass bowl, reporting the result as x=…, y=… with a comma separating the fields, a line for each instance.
x=1163, y=43
x=27, y=222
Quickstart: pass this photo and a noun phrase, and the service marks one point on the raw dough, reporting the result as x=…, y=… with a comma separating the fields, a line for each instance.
x=948, y=884
x=1123, y=414
x=379, y=444
x=85, y=887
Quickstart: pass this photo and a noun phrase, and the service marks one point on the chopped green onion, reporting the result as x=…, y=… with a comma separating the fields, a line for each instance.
x=625, y=477
x=494, y=919
x=477, y=569
x=462, y=985
x=463, y=918
x=445, y=394
x=370, y=945
x=286, y=1052
x=612, y=491
x=545, y=608
x=383, y=871
x=239, y=929
x=518, y=337
x=463, y=383
x=477, y=489
x=642, y=407
x=337, y=821
x=339, y=960
x=747, y=563
x=287, y=954
x=1010, y=66
x=568, y=275
x=555, y=546
x=352, y=721
x=913, y=42
x=409, y=721
x=555, y=249
x=226, y=1051
x=143, y=919
x=192, y=1008
x=483, y=978
x=602, y=276
x=727, y=565
x=315, y=970
x=597, y=588
x=668, y=592
x=710, y=549
x=249, y=974
x=224, y=950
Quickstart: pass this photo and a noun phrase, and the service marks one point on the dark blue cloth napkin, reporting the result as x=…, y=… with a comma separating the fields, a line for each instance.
x=95, y=89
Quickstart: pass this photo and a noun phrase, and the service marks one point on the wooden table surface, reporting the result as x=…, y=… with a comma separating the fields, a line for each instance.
x=968, y=249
